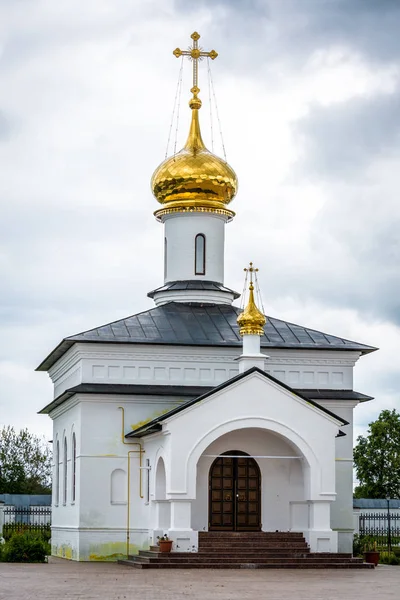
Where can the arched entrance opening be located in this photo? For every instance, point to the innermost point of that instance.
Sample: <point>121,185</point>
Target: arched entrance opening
<point>234,485</point>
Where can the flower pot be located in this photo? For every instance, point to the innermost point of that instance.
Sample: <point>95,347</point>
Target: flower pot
<point>372,556</point>
<point>165,545</point>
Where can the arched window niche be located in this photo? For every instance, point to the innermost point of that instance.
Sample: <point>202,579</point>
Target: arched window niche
<point>118,493</point>
<point>57,475</point>
<point>200,254</point>
<point>161,480</point>
<point>73,481</point>
<point>65,468</point>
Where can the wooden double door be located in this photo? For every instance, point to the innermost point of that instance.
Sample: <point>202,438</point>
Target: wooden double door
<point>234,493</point>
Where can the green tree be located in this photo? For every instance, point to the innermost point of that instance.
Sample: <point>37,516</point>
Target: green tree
<point>377,458</point>
<point>25,463</point>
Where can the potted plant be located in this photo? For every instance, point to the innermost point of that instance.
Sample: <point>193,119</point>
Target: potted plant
<point>164,543</point>
<point>371,554</point>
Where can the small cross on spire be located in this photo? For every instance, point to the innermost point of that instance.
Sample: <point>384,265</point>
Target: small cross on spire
<point>194,53</point>
<point>250,269</point>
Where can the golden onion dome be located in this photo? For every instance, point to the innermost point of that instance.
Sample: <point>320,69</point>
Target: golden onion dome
<point>194,179</point>
<point>251,321</point>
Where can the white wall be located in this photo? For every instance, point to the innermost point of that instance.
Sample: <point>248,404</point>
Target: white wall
<point>95,525</point>
<point>342,519</point>
<point>100,451</point>
<point>66,513</point>
<point>169,365</point>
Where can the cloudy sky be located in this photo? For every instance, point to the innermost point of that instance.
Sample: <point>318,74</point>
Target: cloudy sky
<point>308,97</point>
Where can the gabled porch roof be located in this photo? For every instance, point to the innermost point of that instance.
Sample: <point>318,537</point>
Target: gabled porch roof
<point>155,425</point>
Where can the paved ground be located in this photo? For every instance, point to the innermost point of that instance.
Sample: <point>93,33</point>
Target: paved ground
<point>65,580</point>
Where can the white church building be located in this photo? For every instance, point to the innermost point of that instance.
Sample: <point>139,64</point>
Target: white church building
<point>194,415</point>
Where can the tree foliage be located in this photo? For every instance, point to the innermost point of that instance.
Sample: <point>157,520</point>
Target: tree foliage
<point>377,458</point>
<point>25,463</point>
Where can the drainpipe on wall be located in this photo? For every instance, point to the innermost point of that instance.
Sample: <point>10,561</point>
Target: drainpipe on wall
<point>140,451</point>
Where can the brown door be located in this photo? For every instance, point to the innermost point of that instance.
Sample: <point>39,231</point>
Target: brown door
<point>234,493</point>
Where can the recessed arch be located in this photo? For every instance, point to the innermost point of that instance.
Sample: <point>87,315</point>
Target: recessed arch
<point>56,486</point>
<point>310,462</point>
<point>65,470</point>
<point>118,488</point>
<point>161,480</point>
<point>73,467</point>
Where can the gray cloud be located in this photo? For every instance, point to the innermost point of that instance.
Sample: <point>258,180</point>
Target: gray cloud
<point>78,243</point>
<point>6,127</point>
<point>342,139</point>
<point>256,32</point>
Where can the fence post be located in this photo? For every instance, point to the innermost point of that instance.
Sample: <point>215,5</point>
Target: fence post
<point>1,518</point>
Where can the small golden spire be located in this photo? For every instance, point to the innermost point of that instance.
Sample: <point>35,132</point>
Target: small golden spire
<point>194,142</point>
<point>251,321</point>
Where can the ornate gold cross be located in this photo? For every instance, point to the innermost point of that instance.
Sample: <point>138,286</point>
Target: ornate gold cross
<point>195,54</point>
<point>250,270</point>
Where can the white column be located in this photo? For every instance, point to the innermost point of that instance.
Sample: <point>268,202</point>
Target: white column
<point>181,532</point>
<point>162,516</point>
<point>320,515</point>
<point>320,536</point>
<point>181,515</point>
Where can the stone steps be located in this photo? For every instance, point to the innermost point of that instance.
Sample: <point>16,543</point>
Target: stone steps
<point>249,534</point>
<point>238,546</point>
<point>227,559</point>
<point>242,556</point>
<point>222,565</point>
<point>246,550</point>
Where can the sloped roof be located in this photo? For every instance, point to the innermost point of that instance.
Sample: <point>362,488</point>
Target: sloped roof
<point>197,324</point>
<point>375,503</point>
<point>188,391</point>
<point>156,424</point>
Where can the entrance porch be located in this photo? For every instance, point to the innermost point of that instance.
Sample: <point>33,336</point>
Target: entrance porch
<point>250,479</point>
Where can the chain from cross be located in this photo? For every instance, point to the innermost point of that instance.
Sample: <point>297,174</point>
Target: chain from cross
<point>195,54</point>
<point>250,270</point>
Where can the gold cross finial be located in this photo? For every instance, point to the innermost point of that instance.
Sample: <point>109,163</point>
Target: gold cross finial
<point>250,269</point>
<point>194,53</point>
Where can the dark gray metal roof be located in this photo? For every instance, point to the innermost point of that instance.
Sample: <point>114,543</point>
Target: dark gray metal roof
<point>375,503</point>
<point>335,395</point>
<point>156,424</point>
<point>184,391</point>
<point>193,284</point>
<point>127,389</point>
<point>197,324</point>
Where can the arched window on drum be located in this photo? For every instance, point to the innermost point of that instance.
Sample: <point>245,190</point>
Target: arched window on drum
<point>200,254</point>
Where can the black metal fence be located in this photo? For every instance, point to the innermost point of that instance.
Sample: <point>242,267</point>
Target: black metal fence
<point>27,518</point>
<point>381,527</point>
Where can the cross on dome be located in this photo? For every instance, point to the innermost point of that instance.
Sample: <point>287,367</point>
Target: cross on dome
<point>250,269</point>
<point>194,53</point>
<point>194,179</point>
